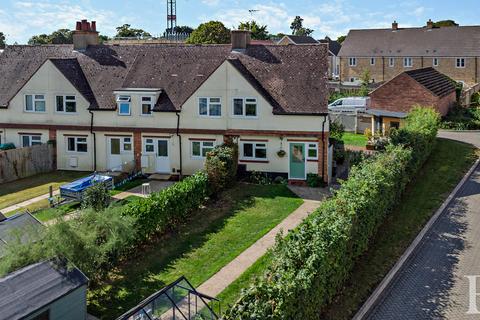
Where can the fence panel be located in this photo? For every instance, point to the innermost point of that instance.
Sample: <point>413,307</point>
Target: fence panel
<point>25,162</point>
<point>353,122</point>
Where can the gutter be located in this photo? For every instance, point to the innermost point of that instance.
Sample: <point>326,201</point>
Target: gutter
<point>94,142</point>
<point>323,147</point>
<point>179,143</point>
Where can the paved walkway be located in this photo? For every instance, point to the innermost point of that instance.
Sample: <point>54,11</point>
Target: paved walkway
<point>240,264</point>
<point>155,186</point>
<point>432,283</point>
<point>21,205</point>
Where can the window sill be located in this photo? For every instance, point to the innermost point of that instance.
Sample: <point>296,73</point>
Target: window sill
<point>254,161</point>
<point>312,160</point>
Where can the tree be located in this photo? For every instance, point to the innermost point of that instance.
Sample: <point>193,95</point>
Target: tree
<point>126,31</point>
<point>2,40</point>
<point>102,38</point>
<point>298,29</point>
<point>445,23</point>
<point>61,36</point>
<point>259,32</point>
<point>341,39</point>
<point>213,32</point>
<point>182,29</point>
<point>40,39</point>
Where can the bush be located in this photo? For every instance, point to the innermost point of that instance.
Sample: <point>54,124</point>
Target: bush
<point>97,197</point>
<point>314,180</point>
<point>311,264</point>
<point>221,166</point>
<point>336,130</point>
<point>460,118</point>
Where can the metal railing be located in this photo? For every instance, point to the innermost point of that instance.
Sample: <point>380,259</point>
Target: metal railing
<point>178,300</point>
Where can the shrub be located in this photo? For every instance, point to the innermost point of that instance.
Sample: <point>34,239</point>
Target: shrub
<point>336,130</point>
<point>314,180</point>
<point>311,264</point>
<point>165,209</point>
<point>221,166</point>
<point>96,197</point>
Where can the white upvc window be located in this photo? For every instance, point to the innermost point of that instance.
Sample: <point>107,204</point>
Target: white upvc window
<point>123,103</point>
<point>28,140</point>
<point>254,151</point>
<point>149,145</point>
<point>352,62</point>
<point>66,104</point>
<point>126,145</point>
<point>210,107</point>
<point>372,61</point>
<point>312,151</point>
<point>245,107</point>
<point>35,103</point>
<point>201,148</point>
<point>391,62</point>
<point>435,62</point>
<point>407,62</point>
<point>460,63</point>
<point>77,144</point>
<point>147,105</point>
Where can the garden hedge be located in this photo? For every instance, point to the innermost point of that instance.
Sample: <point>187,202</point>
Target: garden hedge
<point>312,263</point>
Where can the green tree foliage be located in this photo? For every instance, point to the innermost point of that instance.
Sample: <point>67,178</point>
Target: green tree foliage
<point>445,23</point>
<point>126,31</point>
<point>311,265</point>
<point>341,39</point>
<point>365,78</point>
<point>61,36</point>
<point>213,32</point>
<point>182,29</point>
<point>259,32</point>
<point>2,40</point>
<point>221,167</point>
<point>102,38</point>
<point>298,29</point>
<point>96,197</point>
<point>337,130</point>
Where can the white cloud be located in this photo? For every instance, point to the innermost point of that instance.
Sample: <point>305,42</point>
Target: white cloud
<point>211,2</point>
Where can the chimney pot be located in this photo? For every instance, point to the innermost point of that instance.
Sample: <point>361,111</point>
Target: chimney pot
<point>240,39</point>
<point>94,26</point>
<point>79,26</point>
<point>395,25</point>
<point>85,35</point>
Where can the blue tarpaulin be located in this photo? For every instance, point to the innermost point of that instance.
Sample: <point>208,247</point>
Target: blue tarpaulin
<point>75,189</point>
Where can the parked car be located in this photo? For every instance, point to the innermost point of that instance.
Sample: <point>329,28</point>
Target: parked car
<point>349,104</point>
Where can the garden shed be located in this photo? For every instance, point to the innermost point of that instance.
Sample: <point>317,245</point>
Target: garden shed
<point>22,226</point>
<point>45,290</point>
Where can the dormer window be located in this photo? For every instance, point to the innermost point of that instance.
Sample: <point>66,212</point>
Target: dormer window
<point>147,106</point>
<point>123,103</point>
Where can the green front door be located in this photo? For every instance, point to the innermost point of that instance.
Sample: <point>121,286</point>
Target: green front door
<point>297,161</point>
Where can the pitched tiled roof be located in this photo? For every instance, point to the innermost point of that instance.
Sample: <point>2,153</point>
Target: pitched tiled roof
<point>293,78</point>
<point>302,39</point>
<point>333,45</point>
<point>440,42</point>
<point>434,81</point>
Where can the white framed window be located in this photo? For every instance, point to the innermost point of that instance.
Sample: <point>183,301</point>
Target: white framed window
<point>147,106</point>
<point>407,62</point>
<point>126,145</point>
<point>149,145</point>
<point>35,103</point>
<point>66,104</point>
<point>312,151</point>
<point>254,150</point>
<point>210,107</point>
<point>28,140</point>
<point>352,62</point>
<point>245,107</point>
<point>391,62</point>
<point>201,148</point>
<point>460,63</point>
<point>77,144</point>
<point>372,61</point>
<point>123,103</point>
<point>435,62</point>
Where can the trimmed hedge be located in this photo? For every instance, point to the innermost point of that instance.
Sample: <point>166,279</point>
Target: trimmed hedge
<point>311,264</point>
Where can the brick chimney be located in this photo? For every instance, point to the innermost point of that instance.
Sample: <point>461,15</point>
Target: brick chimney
<point>85,34</point>
<point>395,25</point>
<point>429,24</point>
<point>240,39</point>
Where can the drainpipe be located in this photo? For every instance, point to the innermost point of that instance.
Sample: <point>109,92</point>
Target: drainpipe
<point>179,143</point>
<point>94,142</point>
<point>323,147</point>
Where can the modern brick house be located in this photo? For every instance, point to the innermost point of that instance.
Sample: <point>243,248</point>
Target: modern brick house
<point>454,51</point>
<point>426,87</point>
<point>161,108</point>
<point>333,59</point>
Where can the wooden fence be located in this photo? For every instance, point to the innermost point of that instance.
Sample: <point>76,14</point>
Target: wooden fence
<point>25,162</point>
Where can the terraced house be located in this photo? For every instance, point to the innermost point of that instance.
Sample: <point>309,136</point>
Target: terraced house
<point>385,53</point>
<point>161,108</point>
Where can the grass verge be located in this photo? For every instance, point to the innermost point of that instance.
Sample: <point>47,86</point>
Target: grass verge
<point>352,139</point>
<point>446,166</point>
<point>213,237</point>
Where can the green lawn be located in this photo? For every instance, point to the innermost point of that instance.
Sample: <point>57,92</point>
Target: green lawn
<point>213,237</point>
<point>352,139</point>
<point>51,213</point>
<point>18,191</point>
<point>447,165</point>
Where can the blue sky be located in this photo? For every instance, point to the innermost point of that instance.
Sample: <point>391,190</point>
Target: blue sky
<point>21,19</point>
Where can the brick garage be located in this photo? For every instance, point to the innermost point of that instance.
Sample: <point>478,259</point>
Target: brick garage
<point>425,87</point>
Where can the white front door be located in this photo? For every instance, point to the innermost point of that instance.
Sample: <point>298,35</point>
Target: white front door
<point>162,164</point>
<point>114,157</point>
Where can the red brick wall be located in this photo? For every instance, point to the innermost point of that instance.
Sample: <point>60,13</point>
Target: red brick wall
<point>137,149</point>
<point>323,154</point>
<point>52,136</point>
<point>402,93</point>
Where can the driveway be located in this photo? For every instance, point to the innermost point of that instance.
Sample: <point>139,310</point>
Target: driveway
<point>433,283</point>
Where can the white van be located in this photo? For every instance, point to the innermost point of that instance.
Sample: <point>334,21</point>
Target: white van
<point>349,104</point>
